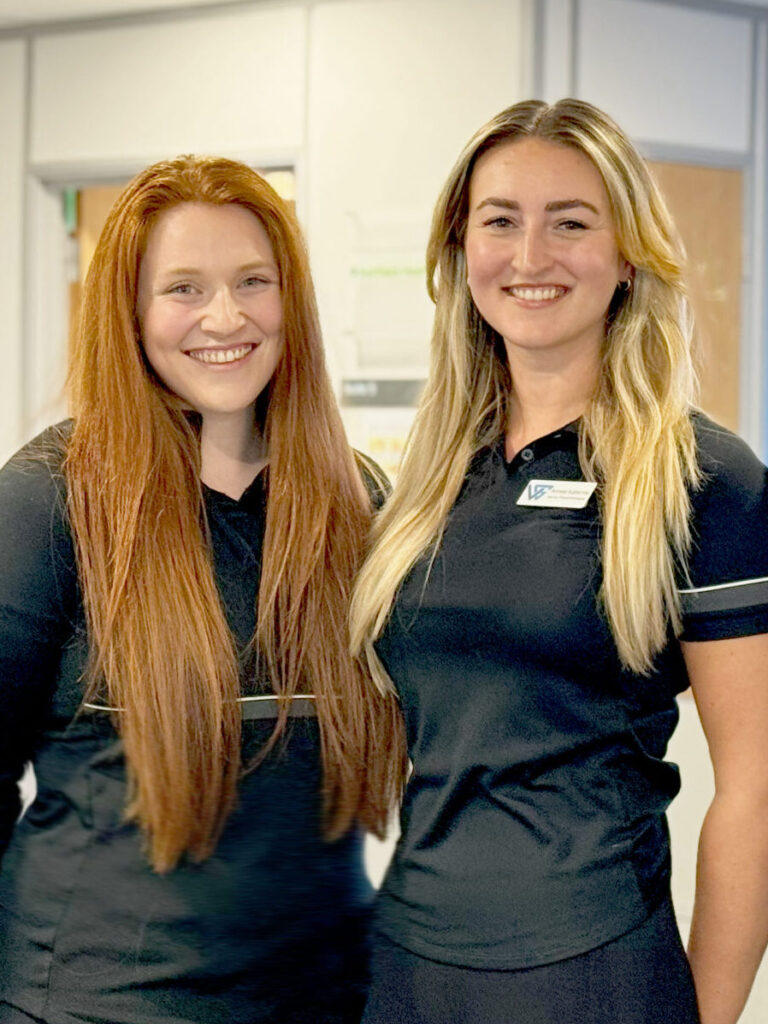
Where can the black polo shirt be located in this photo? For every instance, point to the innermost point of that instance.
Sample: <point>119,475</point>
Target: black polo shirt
<point>271,928</point>
<point>534,823</point>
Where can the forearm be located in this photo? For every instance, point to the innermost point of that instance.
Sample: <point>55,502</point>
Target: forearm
<point>730,920</point>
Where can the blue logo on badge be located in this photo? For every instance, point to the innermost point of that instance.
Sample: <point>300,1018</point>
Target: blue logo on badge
<point>536,491</point>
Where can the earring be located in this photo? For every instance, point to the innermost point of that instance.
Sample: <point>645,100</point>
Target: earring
<point>625,286</point>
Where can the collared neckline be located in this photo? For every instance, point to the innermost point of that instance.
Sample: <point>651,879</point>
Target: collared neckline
<point>251,500</point>
<point>564,438</point>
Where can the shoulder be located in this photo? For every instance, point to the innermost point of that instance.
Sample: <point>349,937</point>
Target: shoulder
<point>35,540</point>
<point>726,460</point>
<point>44,455</point>
<point>733,492</point>
<point>375,479</point>
<point>726,592</point>
<point>34,475</point>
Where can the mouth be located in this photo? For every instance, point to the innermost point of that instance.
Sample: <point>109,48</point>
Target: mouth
<point>536,293</point>
<point>219,356</point>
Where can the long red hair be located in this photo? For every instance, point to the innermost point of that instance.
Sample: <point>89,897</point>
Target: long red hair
<point>160,647</point>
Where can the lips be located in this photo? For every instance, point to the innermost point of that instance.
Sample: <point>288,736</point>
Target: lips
<point>219,356</point>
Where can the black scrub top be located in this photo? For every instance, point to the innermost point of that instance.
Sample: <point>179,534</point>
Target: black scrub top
<point>270,929</point>
<point>533,827</point>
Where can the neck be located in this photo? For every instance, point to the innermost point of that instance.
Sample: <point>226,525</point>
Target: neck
<point>549,390</point>
<point>232,452</point>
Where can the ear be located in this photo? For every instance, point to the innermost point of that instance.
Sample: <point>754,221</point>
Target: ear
<point>626,271</point>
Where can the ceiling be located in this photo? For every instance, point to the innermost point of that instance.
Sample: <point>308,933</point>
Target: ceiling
<point>25,12</point>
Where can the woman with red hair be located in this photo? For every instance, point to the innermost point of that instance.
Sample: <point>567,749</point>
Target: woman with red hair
<point>177,562</point>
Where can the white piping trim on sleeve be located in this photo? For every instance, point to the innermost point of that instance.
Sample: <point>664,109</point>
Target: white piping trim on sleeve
<point>722,586</point>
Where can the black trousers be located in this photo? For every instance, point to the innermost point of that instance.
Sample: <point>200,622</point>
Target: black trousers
<point>642,977</point>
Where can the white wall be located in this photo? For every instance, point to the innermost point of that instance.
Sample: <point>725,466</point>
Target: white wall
<point>669,74</point>
<point>397,88</point>
<point>12,12</point>
<point>12,121</point>
<point>228,82</point>
<point>685,80</point>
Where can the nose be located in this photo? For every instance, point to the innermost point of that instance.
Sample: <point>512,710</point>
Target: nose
<point>222,315</point>
<point>533,253</point>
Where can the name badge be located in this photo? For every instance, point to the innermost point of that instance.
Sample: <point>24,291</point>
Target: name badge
<point>557,493</point>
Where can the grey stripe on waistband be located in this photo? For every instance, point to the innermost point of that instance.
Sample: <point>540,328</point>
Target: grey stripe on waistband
<point>263,706</point>
<point>267,706</point>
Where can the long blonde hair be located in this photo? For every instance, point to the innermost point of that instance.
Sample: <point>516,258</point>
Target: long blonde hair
<point>160,646</point>
<point>636,436</point>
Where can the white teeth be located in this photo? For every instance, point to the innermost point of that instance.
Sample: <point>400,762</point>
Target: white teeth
<point>537,294</point>
<point>220,355</point>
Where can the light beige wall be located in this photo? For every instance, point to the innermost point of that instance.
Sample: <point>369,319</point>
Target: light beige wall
<point>12,119</point>
<point>397,89</point>
<point>227,82</point>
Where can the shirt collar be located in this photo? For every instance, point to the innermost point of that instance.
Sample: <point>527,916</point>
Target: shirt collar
<point>566,437</point>
<point>251,500</point>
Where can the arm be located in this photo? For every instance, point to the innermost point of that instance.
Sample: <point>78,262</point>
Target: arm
<point>729,932</point>
<point>37,598</point>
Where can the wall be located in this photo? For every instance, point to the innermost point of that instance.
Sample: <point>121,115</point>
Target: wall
<point>12,126</point>
<point>12,13</point>
<point>378,155</point>
<point>135,93</point>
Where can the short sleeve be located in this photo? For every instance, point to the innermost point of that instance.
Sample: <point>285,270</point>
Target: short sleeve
<point>37,600</point>
<point>726,594</point>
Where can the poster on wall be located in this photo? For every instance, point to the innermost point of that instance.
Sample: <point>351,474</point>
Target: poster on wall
<point>387,325</point>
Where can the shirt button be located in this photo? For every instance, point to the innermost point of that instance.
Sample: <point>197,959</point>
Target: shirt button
<point>527,455</point>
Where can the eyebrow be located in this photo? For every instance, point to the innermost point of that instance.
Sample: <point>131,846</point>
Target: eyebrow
<point>184,271</point>
<point>554,207</point>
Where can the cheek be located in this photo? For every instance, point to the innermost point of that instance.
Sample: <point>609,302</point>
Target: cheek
<point>162,330</point>
<point>600,266</point>
<point>484,263</point>
<point>267,313</point>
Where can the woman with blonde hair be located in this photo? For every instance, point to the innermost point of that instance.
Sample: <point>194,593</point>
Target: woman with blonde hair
<point>569,545</point>
<point>177,563</point>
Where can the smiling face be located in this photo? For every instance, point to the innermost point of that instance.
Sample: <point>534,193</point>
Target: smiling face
<point>210,307</point>
<point>541,251</point>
